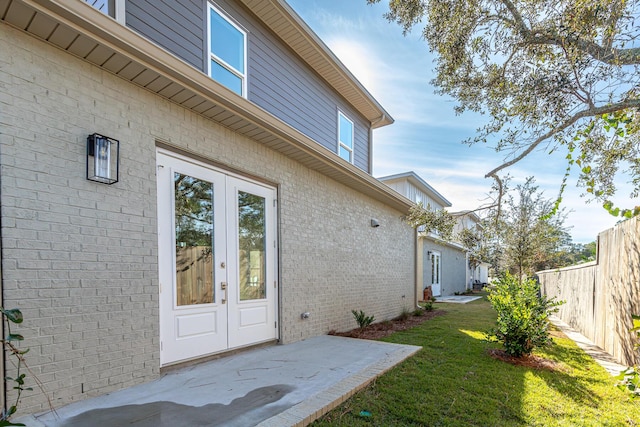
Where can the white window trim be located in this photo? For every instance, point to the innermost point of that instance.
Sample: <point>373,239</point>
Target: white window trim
<point>119,12</point>
<point>353,137</point>
<point>220,61</point>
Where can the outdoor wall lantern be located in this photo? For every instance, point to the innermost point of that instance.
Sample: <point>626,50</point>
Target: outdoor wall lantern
<point>103,159</point>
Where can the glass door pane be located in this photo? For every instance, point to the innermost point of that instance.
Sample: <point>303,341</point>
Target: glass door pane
<point>251,246</point>
<point>194,244</point>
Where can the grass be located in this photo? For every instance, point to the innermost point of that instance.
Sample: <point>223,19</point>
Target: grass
<point>452,381</point>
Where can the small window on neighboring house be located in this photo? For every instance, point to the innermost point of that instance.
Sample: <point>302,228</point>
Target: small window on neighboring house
<point>345,137</point>
<point>227,51</point>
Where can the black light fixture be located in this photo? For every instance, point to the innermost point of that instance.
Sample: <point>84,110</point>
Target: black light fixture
<point>103,159</point>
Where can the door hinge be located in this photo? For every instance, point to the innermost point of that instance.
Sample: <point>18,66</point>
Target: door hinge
<point>275,325</point>
<point>274,202</point>
<point>275,284</point>
<point>161,347</point>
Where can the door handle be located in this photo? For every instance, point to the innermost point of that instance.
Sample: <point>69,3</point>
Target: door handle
<point>223,286</point>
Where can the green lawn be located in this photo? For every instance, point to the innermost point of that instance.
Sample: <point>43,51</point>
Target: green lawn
<point>452,381</point>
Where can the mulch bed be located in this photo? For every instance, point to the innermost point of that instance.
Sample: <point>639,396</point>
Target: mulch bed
<point>382,329</point>
<point>530,361</point>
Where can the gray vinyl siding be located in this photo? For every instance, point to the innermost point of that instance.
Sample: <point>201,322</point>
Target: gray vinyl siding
<point>277,79</point>
<point>176,26</point>
<point>453,267</point>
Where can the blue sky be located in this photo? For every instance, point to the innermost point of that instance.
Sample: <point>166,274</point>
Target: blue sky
<point>426,136</point>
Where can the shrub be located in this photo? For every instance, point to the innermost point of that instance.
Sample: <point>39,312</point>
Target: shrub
<point>404,315</point>
<point>523,315</point>
<point>362,319</point>
<point>418,312</point>
<point>629,379</point>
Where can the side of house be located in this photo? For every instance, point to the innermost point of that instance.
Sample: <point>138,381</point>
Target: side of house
<point>478,270</point>
<point>242,197</point>
<point>439,264</point>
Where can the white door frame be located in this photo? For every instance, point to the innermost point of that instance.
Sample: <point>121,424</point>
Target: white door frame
<point>194,331</point>
<point>436,276</point>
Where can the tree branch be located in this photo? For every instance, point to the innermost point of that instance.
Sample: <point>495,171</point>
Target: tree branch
<point>606,54</point>
<point>590,112</point>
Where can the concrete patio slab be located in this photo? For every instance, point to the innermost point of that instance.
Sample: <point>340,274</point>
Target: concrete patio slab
<point>281,385</point>
<point>457,299</point>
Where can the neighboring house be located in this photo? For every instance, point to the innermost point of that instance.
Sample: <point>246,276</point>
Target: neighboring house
<point>477,270</point>
<point>239,158</point>
<point>439,264</point>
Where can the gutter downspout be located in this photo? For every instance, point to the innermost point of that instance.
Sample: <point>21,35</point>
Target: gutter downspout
<point>415,270</point>
<point>3,389</point>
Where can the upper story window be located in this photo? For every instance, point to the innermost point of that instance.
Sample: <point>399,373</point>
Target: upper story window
<point>227,51</point>
<point>113,8</point>
<point>345,137</point>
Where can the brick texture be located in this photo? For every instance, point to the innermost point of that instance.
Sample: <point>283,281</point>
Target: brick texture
<point>80,258</point>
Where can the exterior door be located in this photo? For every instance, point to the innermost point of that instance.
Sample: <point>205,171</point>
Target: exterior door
<point>217,260</point>
<point>436,274</point>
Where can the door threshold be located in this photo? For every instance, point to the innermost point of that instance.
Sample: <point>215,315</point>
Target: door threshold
<point>227,353</point>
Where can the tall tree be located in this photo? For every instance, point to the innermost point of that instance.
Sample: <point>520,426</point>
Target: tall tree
<point>530,237</point>
<point>549,73</point>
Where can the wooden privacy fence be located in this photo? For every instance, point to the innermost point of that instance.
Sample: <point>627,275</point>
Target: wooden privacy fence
<point>601,296</point>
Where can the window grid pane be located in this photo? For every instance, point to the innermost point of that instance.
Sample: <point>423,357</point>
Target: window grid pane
<point>226,77</point>
<point>227,44</point>
<point>346,132</point>
<point>345,153</point>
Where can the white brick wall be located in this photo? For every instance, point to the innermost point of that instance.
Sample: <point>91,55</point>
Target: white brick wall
<point>80,258</point>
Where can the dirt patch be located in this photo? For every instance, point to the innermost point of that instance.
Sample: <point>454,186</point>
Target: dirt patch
<point>382,329</point>
<point>530,361</point>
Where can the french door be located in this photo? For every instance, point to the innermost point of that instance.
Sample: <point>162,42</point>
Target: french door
<point>217,262</point>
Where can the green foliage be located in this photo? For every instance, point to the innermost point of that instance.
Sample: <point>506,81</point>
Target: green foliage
<point>362,319</point>
<point>418,312</point>
<point>523,235</point>
<point>523,314</point>
<point>405,314</point>
<point>437,221</point>
<point>629,380</point>
<point>453,381</point>
<point>13,316</point>
<point>549,75</point>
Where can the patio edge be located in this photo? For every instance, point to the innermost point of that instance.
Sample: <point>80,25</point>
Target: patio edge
<point>304,413</point>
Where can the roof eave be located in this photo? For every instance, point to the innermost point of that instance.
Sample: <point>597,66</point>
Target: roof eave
<point>305,42</point>
<point>79,29</point>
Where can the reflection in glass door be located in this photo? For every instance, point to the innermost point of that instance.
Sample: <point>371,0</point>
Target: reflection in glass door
<point>251,246</point>
<point>194,245</point>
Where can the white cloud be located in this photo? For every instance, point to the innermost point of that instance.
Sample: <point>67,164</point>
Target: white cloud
<point>427,133</point>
